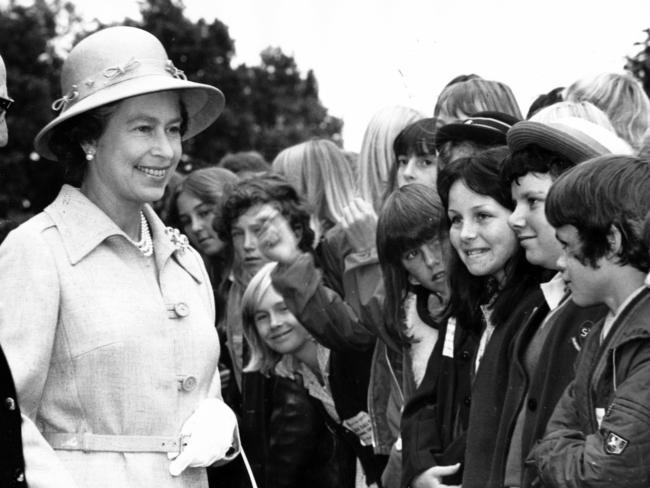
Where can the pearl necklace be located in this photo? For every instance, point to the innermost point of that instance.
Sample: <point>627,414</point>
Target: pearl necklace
<point>145,244</point>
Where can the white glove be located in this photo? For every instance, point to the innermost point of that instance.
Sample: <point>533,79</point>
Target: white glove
<point>210,432</point>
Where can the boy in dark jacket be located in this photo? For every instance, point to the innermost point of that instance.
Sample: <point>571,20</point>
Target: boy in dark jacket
<point>545,350</point>
<point>599,433</point>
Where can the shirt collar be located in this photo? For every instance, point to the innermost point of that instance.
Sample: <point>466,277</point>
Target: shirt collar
<point>83,226</point>
<point>553,291</point>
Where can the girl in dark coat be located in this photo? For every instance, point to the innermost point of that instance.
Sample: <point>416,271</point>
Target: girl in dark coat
<point>413,248</point>
<point>494,290</point>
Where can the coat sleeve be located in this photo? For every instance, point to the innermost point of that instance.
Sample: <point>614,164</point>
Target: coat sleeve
<point>322,311</point>
<point>29,287</point>
<point>363,283</point>
<point>419,427</point>
<point>617,454</point>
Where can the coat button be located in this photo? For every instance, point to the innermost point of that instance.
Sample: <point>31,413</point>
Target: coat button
<point>181,309</point>
<point>188,383</point>
<point>532,404</point>
<point>467,400</point>
<point>20,477</point>
<point>10,403</point>
<point>465,355</point>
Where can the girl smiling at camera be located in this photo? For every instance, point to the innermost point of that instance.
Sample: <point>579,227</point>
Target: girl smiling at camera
<point>493,289</point>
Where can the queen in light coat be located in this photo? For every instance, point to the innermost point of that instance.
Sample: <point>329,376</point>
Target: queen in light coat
<point>108,316</point>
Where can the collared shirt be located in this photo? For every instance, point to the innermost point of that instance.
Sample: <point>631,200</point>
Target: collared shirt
<point>609,320</point>
<point>289,366</point>
<point>554,290</point>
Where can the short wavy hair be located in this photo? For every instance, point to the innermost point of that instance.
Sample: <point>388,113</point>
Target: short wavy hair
<point>601,193</point>
<point>272,189</point>
<point>621,97</point>
<point>459,100</point>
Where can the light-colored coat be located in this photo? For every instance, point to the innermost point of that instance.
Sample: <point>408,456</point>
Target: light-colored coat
<point>90,333</point>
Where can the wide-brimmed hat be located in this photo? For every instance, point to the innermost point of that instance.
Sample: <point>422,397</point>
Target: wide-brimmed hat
<point>122,62</point>
<point>574,138</point>
<point>488,128</point>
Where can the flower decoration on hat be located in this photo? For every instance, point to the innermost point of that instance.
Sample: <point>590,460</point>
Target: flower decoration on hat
<point>175,72</point>
<point>121,69</point>
<point>62,103</point>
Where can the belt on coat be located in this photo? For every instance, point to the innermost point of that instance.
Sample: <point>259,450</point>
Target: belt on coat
<point>114,443</point>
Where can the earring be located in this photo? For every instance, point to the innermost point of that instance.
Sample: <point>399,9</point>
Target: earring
<point>90,155</point>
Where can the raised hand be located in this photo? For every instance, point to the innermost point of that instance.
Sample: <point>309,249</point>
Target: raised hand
<point>277,241</point>
<point>360,225</point>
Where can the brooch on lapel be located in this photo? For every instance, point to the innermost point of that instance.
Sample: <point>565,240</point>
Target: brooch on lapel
<point>180,241</point>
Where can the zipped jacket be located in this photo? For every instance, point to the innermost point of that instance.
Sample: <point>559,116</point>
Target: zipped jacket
<point>613,378</point>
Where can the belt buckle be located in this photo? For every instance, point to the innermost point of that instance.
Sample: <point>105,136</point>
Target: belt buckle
<point>182,442</point>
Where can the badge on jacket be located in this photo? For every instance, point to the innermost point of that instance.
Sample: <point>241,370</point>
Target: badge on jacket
<point>615,444</point>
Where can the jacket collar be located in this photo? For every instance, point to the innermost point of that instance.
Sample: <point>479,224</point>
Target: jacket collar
<point>83,226</point>
<point>633,318</point>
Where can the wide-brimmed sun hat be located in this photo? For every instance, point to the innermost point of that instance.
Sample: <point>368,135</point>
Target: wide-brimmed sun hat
<point>488,128</point>
<point>121,62</point>
<point>575,138</point>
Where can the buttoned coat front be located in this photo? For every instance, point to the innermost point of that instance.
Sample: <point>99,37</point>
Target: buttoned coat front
<point>104,340</point>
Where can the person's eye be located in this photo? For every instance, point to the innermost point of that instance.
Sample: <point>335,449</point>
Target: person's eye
<point>402,161</point>
<point>144,128</point>
<point>184,221</point>
<point>236,233</point>
<point>482,216</point>
<point>532,202</point>
<point>427,162</point>
<point>409,255</point>
<point>261,316</point>
<point>204,213</point>
<point>175,129</point>
<point>455,220</point>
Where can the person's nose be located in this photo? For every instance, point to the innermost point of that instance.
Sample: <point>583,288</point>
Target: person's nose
<point>275,319</point>
<point>409,170</point>
<point>517,219</point>
<point>468,230</point>
<point>429,255</point>
<point>196,225</point>
<point>164,144</point>
<point>250,241</point>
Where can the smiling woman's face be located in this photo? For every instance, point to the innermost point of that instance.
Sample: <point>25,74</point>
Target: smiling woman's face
<point>480,232</point>
<point>138,151</point>
<point>277,326</point>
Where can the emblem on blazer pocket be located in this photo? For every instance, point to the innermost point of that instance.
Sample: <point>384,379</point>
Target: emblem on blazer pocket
<point>615,444</point>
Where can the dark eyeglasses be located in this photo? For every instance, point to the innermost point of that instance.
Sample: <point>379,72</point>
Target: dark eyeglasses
<point>5,103</point>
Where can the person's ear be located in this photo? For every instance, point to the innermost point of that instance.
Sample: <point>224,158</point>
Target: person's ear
<point>89,149</point>
<point>614,241</point>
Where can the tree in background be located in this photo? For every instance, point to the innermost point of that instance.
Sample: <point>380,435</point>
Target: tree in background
<point>639,64</point>
<point>268,107</point>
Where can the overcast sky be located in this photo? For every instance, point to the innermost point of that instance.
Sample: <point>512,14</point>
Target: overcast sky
<point>371,53</point>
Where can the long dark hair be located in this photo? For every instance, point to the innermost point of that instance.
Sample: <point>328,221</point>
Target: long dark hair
<point>481,174</point>
<point>410,216</point>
